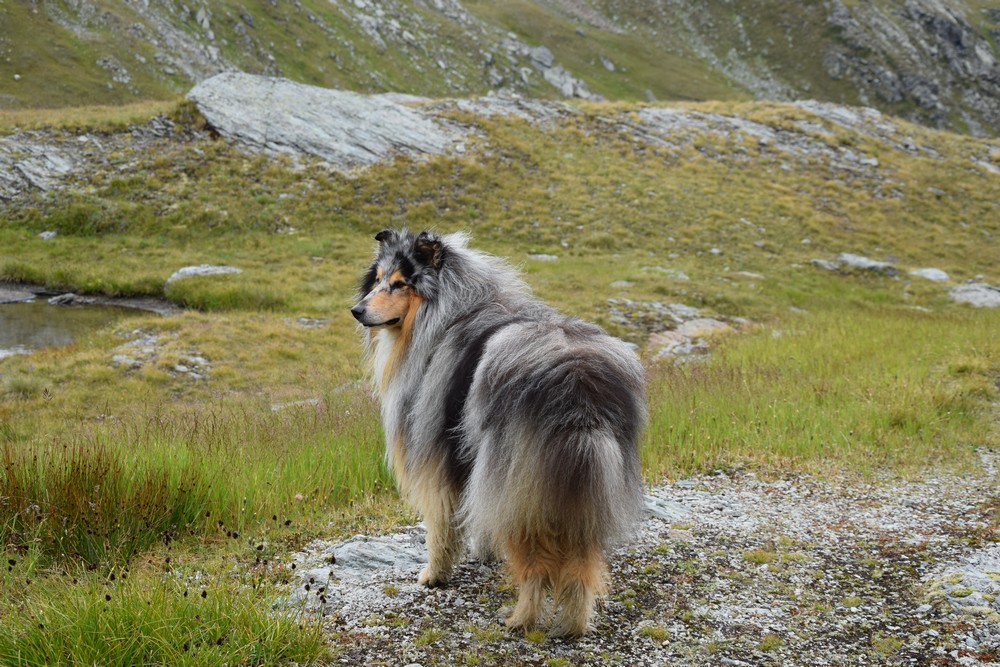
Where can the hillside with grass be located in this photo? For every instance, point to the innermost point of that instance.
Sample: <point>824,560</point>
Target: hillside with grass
<point>928,61</point>
<point>158,473</point>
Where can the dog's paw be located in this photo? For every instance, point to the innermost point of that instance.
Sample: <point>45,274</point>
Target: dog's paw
<point>518,621</point>
<point>431,578</point>
<point>568,629</point>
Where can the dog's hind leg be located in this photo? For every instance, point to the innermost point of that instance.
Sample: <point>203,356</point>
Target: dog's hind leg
<point>530,568</point>
<point>444,540</point>
<point>579,581</point>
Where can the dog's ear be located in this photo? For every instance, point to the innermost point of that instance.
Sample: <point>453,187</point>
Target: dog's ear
<point>429,250</point>
<point>384,235</point>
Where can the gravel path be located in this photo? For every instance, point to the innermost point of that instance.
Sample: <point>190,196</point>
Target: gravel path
<point>727,569</point>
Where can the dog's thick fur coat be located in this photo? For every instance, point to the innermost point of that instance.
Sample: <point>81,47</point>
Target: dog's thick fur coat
<point>506,422</point>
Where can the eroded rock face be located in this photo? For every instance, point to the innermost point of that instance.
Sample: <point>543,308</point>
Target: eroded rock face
<point>27,164</point>
<point>348,130</point>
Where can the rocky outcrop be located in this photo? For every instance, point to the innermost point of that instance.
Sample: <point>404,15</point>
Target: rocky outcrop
<point>27,164</point>
<point>927,55</point>
<point>39,160</point>
<point>279,116</point>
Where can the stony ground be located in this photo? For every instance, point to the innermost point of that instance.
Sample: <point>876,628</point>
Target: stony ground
<point>727,569</point>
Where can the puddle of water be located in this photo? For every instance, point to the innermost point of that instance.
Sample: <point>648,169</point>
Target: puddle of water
<point>29,326</point>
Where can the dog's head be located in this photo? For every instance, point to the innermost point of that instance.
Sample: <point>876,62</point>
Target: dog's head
<point>403,275</point>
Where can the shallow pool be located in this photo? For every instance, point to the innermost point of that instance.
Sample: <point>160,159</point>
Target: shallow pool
<point>29,326</point>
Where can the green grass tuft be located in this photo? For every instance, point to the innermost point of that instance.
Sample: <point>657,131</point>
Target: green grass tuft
<point>168,622</point>
<point>109,498</point>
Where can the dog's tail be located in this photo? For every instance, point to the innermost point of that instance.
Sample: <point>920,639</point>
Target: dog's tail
<point>557,457</point>
<point>578,491</point>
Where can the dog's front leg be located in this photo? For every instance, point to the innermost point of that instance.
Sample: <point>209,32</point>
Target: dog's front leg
<point>443,538</point>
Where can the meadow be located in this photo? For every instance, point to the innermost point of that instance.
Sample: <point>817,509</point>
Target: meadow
<point>147,516</point>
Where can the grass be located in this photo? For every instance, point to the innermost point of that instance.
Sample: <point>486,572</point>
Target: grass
<point>655,632</point>
<point>109,497</point>
<point>429,636</point>
<point>861,388</point>
<point>133,621</point>
<point>109,468</point>
<point>104,117</point>
<point>760,556</point>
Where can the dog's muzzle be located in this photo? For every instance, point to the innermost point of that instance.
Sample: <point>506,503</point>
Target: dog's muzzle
<point>360,312</point>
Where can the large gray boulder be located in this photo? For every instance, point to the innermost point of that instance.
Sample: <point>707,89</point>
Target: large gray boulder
<point>278,116</point>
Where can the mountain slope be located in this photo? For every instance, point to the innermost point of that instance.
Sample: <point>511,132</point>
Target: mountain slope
<point>932,61</point>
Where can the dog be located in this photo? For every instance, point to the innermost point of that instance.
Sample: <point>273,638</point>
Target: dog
<point>506,423</point>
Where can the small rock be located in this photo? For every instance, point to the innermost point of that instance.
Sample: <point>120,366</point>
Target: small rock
<point>15,295</point>
<point>860,262</point>
<point>665,509</point>
<point>672,344</point>
<point>543,257</point>
<point>541,57</point>
<point>702,327</point>
<point>278,407</point>
<point>980,295</point>
<point>201,270</point>
<point>63,299</point>
<point>852,261</point>
<point>937,275</point>
<point>47,236</point>
<point>312,322</point>
<point>825,264</point>
<point>674,274</point>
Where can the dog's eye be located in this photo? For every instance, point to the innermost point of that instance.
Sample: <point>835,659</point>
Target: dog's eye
<point>399,284</point>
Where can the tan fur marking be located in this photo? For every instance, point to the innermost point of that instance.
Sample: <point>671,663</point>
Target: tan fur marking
<point>430,494</point>
<point>401,344</point>
<point>397,460</point>
<point>579,581</point>
<point>538,563</point>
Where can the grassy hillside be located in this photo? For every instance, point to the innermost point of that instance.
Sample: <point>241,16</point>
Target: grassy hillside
<point>930,62</point>
<point>653,63</point>
<point>129,490</point>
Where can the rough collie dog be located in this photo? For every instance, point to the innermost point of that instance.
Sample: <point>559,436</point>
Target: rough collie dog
<point>505,422</point>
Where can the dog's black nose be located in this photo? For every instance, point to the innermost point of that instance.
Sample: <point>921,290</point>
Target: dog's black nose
<point>358,311</point>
